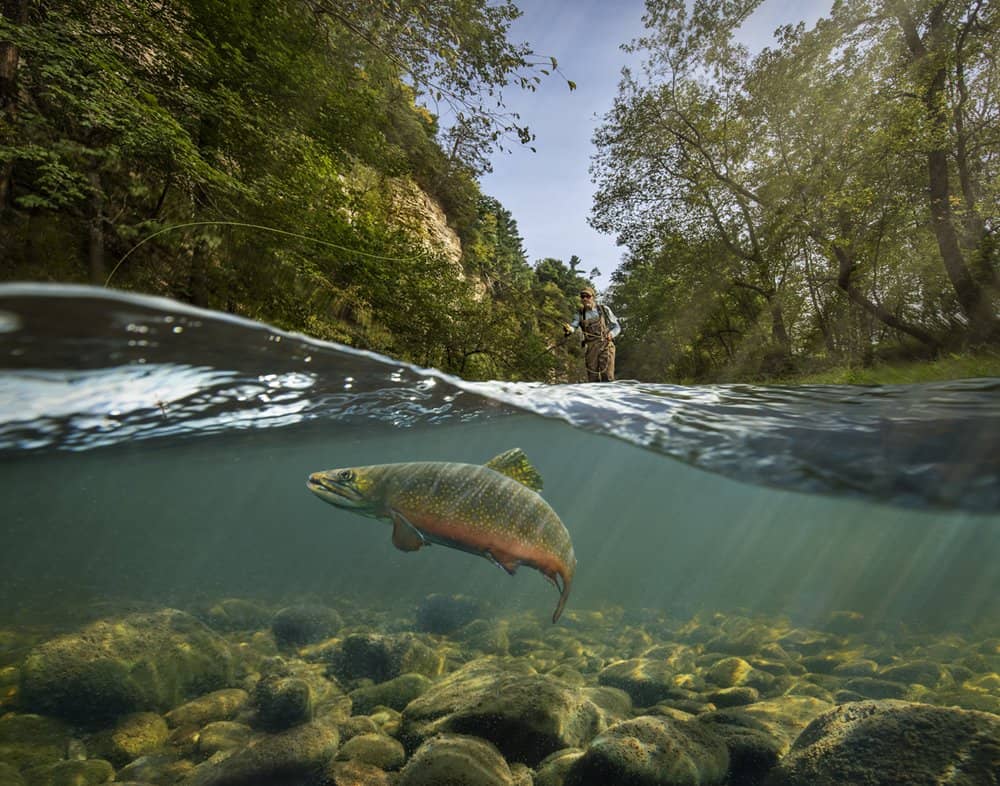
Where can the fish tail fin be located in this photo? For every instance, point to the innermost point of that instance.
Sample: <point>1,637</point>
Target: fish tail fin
<point>563,595</point>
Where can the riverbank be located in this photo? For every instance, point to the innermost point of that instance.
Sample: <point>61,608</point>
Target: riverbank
<point>953,366</point>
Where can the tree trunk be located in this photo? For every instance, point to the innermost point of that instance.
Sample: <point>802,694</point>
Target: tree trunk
<point>15,11</point>
<point>973,299</point>
<point>846,268</point>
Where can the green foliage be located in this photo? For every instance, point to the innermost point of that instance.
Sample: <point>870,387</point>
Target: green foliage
<point>826,198</point>
<point>316,119</point>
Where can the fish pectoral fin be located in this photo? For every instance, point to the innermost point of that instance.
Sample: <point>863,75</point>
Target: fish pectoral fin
<point>405,536</point>
<point>507,564</point>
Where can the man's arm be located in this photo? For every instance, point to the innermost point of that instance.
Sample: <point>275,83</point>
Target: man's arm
<point>614,326</point>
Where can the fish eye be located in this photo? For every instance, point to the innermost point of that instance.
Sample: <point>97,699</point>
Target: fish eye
<point>345,474</point>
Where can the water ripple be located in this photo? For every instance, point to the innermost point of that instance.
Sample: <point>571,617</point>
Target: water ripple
<point>82,368</point>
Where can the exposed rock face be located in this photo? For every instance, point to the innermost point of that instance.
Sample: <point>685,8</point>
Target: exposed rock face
<point>424,219</point>
<point>112,667</point>
<point>894,742</point>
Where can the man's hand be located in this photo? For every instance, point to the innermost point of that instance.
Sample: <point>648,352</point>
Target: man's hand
<point>567,329</point>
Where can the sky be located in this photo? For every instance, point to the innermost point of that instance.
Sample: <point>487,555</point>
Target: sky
<point>549,192</point>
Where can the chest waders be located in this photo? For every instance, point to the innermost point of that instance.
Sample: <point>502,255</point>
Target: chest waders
<point>599,349</point>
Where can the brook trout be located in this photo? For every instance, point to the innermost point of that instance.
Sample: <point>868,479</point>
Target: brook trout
<point>492,510</point>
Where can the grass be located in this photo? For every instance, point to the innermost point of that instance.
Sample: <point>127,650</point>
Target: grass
<point>948,367</point>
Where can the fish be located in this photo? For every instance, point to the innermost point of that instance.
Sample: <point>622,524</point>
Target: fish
<point>493,510</point>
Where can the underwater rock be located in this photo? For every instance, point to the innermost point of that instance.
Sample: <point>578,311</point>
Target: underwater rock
<point>354,773</point>
<point>163,767</point>
<point>232,614</point>
<point>527,716</point>
<point>733,697</point>
<point>806,642</point>
<point>874,688</point>
<point>355,725</point>
<point>859,667</point>
<point>296,626</point>
<point>456,759</point>
<point>844,623</point>
<point>218,705</point>
<point>893,743</point>
<point>753,749</point>
<point>441,614</point>
<point>134,735</point>
<point>395,693</point>
<point>647,681</point>
<point>553,768</point>
<point>224,736</point>
<point>920,672</point>
<point>728,672</point>
<point>822,663</point>
<point>87,772</point>
<point>379,750</point>
<point>653,751</point>
<point>282,702</point>
<point>380,658</point>
<point>31,740</point>
<point>142,662</point>
<point>486,636</point>
<point>285,757</point>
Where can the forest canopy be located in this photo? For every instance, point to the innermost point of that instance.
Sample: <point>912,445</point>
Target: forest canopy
<point>319,160</point>
<point>315,164</point>
<point>833,197</point>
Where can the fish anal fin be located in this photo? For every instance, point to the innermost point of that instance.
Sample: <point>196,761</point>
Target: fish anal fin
<point>405,536</point>
<point>514,464</point>
<point>503,561</point>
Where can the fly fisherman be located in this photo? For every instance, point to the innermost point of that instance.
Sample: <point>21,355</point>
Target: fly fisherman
<point>599,328</point>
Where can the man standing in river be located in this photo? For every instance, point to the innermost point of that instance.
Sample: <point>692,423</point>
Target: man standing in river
<point>600,327</point>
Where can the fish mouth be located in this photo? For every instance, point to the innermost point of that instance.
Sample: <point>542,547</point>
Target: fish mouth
<point>332,491</point>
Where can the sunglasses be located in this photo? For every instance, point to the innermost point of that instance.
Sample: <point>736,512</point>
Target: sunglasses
<point>585,296</point>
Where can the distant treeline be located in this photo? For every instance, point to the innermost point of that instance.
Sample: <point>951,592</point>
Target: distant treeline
<point>833,200</point>
<point>121,118</point>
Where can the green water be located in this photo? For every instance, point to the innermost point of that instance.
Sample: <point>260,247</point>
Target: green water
<point>171,523</point>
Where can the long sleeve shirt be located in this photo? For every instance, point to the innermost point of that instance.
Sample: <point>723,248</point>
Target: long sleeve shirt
<point>614,327</point>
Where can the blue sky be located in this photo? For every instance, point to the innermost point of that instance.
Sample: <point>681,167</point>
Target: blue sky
<point>549,192</point>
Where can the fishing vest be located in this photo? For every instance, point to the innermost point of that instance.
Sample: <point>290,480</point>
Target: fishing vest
<point>595,329</point>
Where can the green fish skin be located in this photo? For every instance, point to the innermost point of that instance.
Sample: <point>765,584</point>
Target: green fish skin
<point>492,510</point>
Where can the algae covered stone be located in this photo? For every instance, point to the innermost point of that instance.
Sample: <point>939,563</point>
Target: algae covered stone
<point>894,743</point>
<point>395,693</point>
<point>296,626</point>
<point>218,705</point>
<point>456,760</point>
<point>653,751</point>
<point>285,757</point>
<point>526,715</point>
<point>112,667</point>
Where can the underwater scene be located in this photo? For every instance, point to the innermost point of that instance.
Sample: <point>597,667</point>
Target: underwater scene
<point>210,576</point>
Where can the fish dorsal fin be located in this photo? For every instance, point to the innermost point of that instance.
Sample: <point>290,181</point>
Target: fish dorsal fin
<point>514,464</point>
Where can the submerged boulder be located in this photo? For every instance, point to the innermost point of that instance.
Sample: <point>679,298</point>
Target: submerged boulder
<point>893,742</point>
<point>363,656</point>
<point>652,751</point>
<point>296,626</point>
<point>286,757</point>
<point>148,661</point>
<point>456,759</point>
<point>526,715</point>
<point>444,613</point>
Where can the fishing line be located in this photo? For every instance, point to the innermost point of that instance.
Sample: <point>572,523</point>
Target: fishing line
<point>252,226</point>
